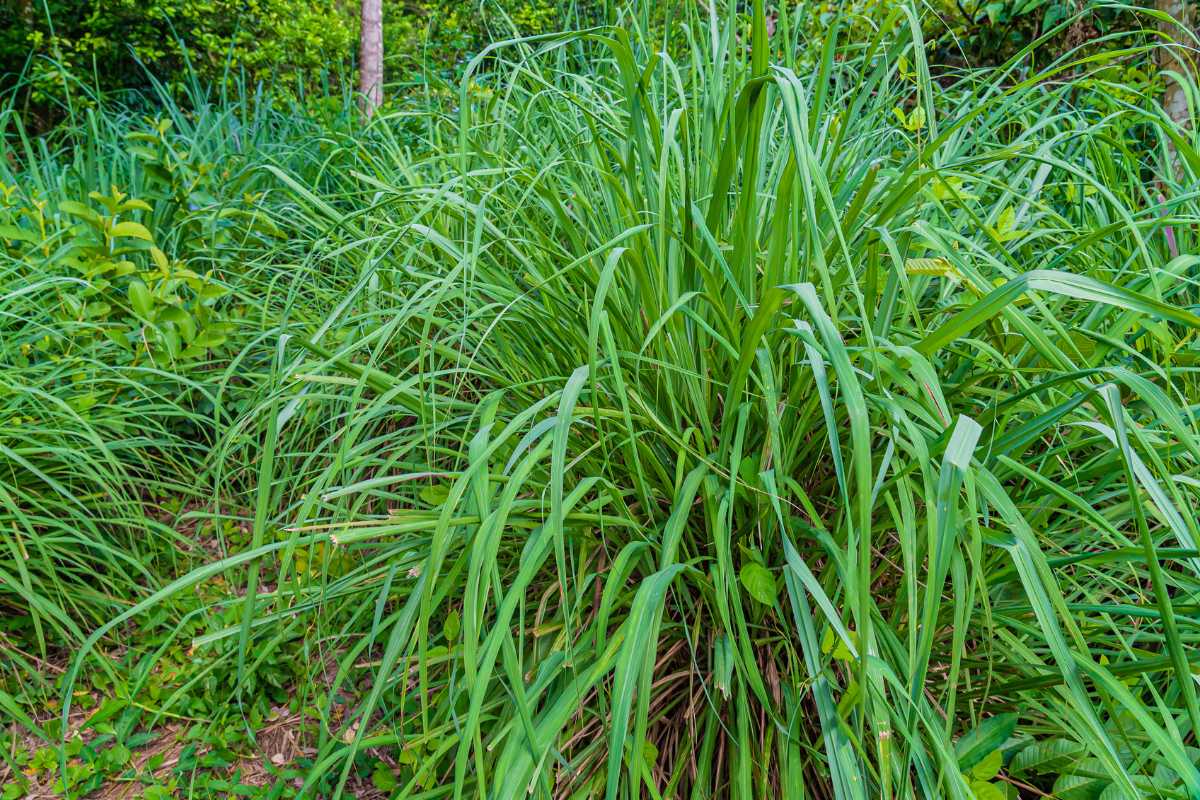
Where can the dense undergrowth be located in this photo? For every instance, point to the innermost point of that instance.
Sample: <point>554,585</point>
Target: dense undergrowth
<point>666,424</point>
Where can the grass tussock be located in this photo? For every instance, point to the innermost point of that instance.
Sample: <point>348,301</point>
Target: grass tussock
<point>653,422</point>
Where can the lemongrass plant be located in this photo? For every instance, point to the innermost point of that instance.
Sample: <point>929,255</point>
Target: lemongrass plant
<point>683,425</point>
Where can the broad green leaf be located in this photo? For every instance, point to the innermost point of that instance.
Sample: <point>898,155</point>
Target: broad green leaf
<point>1083,780</point>
<point>759,582</point>
<point>160,258</point>
<point>916,119</point>
<point>986,738</point>
<point>452,627</point>
<point>141,300</point>
<point>134,230</point>
<point>210,339</point>
<point>8,231</point>
<point>383,779</point>
<point>80,210</point>
<point>988,767</point>
<point>987,791</point>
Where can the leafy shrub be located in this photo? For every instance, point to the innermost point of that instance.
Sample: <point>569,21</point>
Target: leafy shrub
<point>124,286</point>
<point>121,241</point>
<point>982,32</point>
<point>294,45</point>
<point>442,36</point>
<point>113,44</point>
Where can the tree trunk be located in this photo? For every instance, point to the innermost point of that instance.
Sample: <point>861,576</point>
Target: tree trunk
<point>1180,57</point>
<point>370,66</point>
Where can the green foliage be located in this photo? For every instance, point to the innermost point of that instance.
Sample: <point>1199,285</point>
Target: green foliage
<point>427,38</point>
<point>129,264</point>
<point>983,32</point>
<point>758,418</point>
<point>129,291</point>
<point>116,332</point>
<point>114,43</point>
<point>69,50</point>
<point>991,31</point>
<point>77,47</point>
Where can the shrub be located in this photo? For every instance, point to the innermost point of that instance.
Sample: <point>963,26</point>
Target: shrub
<point>112,45</point>
<point>81,47</point>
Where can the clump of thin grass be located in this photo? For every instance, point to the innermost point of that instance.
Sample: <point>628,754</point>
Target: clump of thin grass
<point>690,426</point>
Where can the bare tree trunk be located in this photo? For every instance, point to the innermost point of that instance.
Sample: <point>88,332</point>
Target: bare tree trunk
<point>370,66</point>
<point>1180,58</point>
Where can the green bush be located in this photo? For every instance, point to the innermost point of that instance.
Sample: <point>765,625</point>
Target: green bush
<point>126,245</point>
<point>297,44</point>
<point>107,45</point>
<point>293,43</point>
<point>440,37</point>
<point>981,32</point>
